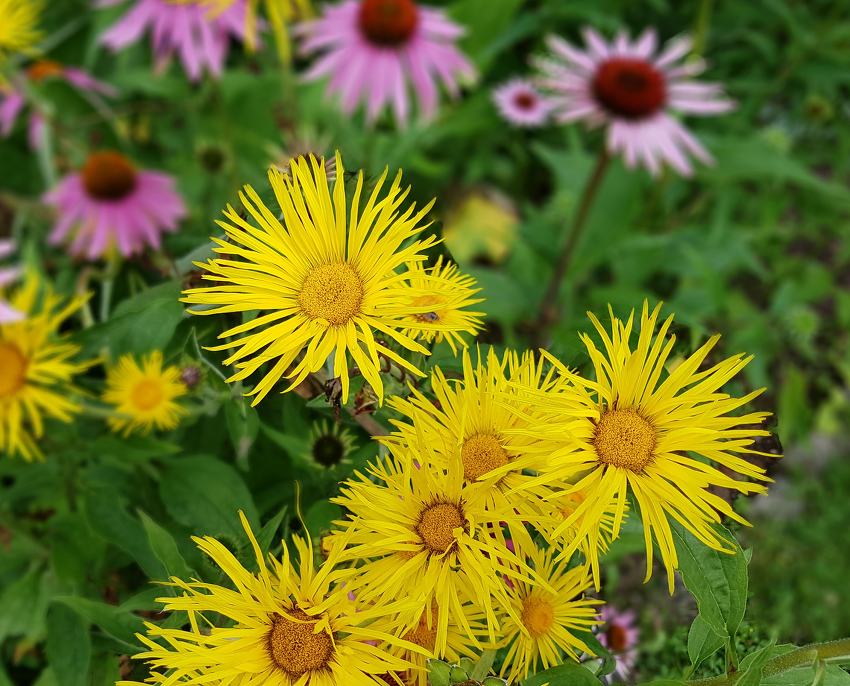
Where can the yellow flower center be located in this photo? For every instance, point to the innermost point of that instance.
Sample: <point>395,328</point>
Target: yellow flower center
<point>296,648</point>
<point>333,292</point>
<point>146,394</point>
<point>481,454</point>
<point>423,635</point>
<point>538,616</point>
<point>623,438</point>
<point>13,370</point>
<point>437,523</point>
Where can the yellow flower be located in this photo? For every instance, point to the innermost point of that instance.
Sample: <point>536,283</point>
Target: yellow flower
<point>19,26</point>
<point>324,279</point>
<point>421,534</point>
<point>441,295</point>
<point>636,429</point>
<point>479,425</point>
<point>281,626</point>
<point>36,368</point>
<point>550,619</point>
<point>144,395</point>
<point>423,633</point>
<point>595,540</point>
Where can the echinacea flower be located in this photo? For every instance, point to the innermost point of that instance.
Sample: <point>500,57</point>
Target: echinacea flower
<point>8,275</point>
<point>521,104</point>
<point>19,26</point>
<point>661,435</point>
<point>37,368</point>
<point>13,99</point>
<point>284,625</point>
<point>144,395</point>
<point>620,634</point>
<point>325,276</point>
<point>110,204</point>
<point>418,532</point>
<point>551,619</point>
<point>442,294</point>
<point>199,36</point>
<point>372,50</point>
<point>635,92</point>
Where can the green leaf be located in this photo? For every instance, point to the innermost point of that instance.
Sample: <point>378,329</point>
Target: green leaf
<point>206,494</point>
<point>68,645</point>
<point>320,515</point>
<point>752,665</point>
<point>139,324</point>
<point>108,518</point>
<point>243,424</point>
<point>567,674</point>
<point>703,641</point>
<point>165,548</point>
<point>439,673</point>
<point>482,667</point>
<point>115,622</point>
<point>609,664</point>
<point>718,581</point>
<point>266,535</point>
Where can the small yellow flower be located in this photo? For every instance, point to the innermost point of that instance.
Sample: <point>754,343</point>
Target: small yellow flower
<point>144,395</point>
<point>19,26</point>
<point>285,625</point>
<point>36,368</point>
<point>442,295</point>
<point>550,619</point>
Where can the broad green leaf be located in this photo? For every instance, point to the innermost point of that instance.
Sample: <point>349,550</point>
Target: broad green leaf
<point>68,645</point>
<point>164,547</point>
<point>115,622</point>
<point>567,674</point>
<point>438,673</point>
<point>266,535</point>
<point>718,581</point>
<point>703,641</point>
<point>319,516</point>
<point>23,604</point>
<point>108,518</point>
<point>206,494</point>
<point>139,324</point>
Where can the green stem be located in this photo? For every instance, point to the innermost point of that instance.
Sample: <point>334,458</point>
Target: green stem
<point>702,25</point>
<point>835,652</point>
<point>548,313</point>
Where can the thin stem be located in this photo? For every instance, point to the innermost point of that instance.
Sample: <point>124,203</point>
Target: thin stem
<point>548,313</point>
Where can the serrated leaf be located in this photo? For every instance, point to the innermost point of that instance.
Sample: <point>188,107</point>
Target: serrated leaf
<point>68,645</point>
<point>718,581</point>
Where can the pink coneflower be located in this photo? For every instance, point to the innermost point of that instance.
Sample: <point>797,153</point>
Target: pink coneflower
<point>521,104</point>
<point>633,90</point>
<point>13,98</point>
<point>111,204</point>
<point>373,48</point>
<point>194,31</point>
<point>620,635</point>
<point>8,275</point>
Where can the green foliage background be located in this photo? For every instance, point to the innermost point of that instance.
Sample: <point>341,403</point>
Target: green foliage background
<point>755,247</point>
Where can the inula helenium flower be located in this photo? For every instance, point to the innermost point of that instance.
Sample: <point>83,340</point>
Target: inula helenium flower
<point>326,276</point>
